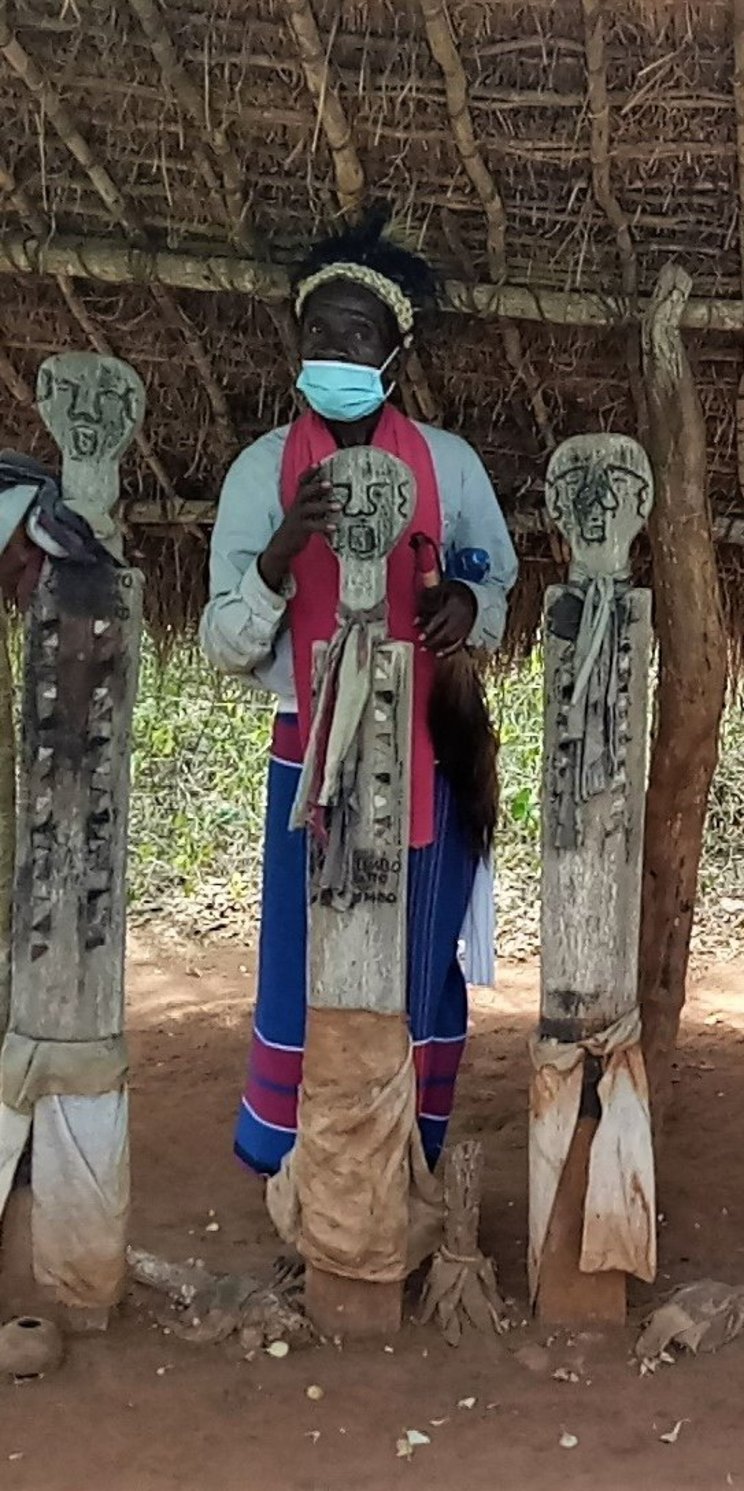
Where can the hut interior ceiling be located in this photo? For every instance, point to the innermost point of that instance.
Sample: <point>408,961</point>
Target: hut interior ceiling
<point>163,165</point>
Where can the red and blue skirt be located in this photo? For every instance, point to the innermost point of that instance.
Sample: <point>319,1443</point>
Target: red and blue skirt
<point>440,883</point>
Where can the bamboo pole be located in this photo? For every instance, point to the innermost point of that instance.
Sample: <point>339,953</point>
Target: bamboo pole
<point>349,172</point>
<point>331,114</point>
<point>25,68</point>
<point>71,135</point>
<point>194,104</point>
<point>149,514</point>
<point>20,199</point>
<point>7,819</point>
<point>599,108</point>
<point>116,262</point>
<point>445,51</point>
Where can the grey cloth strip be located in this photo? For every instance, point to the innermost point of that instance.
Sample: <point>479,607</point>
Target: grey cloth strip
<point>329,775</point>
<point>591,725</point>
<point>31,1069</point>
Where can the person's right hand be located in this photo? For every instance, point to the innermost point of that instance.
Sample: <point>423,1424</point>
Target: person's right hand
<point>313,511</point>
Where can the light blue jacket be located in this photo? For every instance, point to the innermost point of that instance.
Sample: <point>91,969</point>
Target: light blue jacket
<point>244,629</point>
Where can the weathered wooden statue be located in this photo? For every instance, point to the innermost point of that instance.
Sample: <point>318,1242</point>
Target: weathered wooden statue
<point>63,1065</point>
<point>592,1213</point>
<point>93,406</point>
<point>358,1157</point>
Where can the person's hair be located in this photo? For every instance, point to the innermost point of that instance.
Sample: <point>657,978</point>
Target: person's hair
<point>365,243</point>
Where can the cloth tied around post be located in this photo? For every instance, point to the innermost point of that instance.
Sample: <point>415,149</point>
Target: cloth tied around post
<point>619,1228</point>
<point>371,1208</point>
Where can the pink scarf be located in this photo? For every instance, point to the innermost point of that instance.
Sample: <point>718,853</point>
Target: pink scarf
<point>312,611</point>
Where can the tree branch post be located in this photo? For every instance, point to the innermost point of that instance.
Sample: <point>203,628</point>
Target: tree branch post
<point>692,674</point>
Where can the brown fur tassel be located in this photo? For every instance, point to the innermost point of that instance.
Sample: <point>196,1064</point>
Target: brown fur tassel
<point>466,746</point>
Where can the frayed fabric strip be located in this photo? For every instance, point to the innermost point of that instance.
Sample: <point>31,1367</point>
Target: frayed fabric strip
<point>619,1227</point>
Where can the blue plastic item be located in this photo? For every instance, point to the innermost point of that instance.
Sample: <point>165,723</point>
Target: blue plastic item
<point>472,565</point>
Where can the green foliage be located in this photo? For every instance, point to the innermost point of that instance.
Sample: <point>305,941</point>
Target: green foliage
<point>198,795</point>
<point>198,784</point>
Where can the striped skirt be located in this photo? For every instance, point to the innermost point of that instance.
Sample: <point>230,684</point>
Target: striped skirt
<point>439,889</point>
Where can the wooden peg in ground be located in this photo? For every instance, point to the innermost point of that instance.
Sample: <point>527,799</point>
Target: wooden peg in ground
<point>461,1290</point>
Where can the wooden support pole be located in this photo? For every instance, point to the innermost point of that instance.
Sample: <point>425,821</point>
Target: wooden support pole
<point>23,65</point>
<point>597,651</point>
<point>196,107</point>
<point>442,41</point>
<point>113,261</point>
<point>331,113</point>
<point>7,818</point>
<point>692,675</point>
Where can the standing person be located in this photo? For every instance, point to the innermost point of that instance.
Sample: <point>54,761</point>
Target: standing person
<point>274,588</point>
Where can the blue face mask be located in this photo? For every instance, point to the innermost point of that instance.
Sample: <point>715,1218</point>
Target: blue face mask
<point>344,391</point>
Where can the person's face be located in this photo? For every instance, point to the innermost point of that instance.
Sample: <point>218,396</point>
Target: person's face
<point>344,322</point>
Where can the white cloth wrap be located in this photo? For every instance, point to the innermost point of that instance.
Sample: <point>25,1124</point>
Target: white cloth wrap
<point>619,1230</point>
<point>355,1195</point>
<point>80,1206</point>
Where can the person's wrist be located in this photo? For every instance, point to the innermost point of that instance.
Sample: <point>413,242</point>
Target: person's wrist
<point>273,564</point>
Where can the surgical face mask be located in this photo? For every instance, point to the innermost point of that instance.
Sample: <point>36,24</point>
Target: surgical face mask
<point>344,391</point>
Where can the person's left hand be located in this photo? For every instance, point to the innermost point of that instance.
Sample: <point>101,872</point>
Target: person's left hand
<point>446,616</point>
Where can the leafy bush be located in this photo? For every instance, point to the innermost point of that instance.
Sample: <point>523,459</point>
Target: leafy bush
<point>198,794</point>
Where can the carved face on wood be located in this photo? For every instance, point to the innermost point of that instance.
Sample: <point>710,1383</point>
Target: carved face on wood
<point>376,494</point>
<point>599,491</point>
<point>93,406</point>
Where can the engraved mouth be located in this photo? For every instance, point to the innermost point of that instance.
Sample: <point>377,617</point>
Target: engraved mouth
<point>85,439</point>
<point>595,527</point>
<point>361,539</point>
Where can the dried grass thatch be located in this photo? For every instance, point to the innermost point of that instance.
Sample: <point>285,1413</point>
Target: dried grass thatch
<point>162,165</point>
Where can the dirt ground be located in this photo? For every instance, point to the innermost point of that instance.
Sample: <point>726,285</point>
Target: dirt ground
<point>138,1410</point>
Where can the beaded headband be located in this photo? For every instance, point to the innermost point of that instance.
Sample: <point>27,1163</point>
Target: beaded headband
<point>386,290</point>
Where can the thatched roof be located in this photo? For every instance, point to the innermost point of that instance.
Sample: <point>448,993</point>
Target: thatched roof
<point>161,164</point>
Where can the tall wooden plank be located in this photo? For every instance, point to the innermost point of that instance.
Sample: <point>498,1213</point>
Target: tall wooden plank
<point>357,937</point>
<point>591,888</point>
<point>357,954</point>
<point>597,651</point>
<point>64,1059</point>
<point>80,680</point>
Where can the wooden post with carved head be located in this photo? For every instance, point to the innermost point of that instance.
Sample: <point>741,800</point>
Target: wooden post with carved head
<point>64,1061</point>
<point>351,1154</point>
<point>592,1216</point>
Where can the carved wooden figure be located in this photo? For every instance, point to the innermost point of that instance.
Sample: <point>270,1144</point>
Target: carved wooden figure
<point>355,1215</point>
<point>93,406</point>
<point>63,1060</point>
<point>591,1166</point>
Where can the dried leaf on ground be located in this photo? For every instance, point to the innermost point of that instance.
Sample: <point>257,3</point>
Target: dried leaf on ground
<point>701,1317</point>
<point>673,1435</point>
